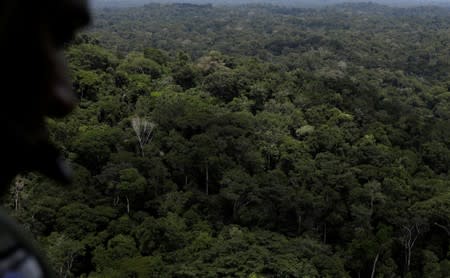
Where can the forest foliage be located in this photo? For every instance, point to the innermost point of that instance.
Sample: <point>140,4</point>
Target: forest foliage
<point>252,141</point>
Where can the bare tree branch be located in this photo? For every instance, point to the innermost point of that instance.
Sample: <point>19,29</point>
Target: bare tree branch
<point>144,131</point>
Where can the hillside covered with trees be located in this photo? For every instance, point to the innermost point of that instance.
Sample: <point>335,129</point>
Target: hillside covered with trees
<point>252,141</point>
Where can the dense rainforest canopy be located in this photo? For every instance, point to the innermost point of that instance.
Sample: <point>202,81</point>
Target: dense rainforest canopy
<point>252,141</point>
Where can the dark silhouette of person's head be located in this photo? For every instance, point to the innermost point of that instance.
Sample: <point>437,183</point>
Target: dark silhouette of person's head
<point>34,82</point>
